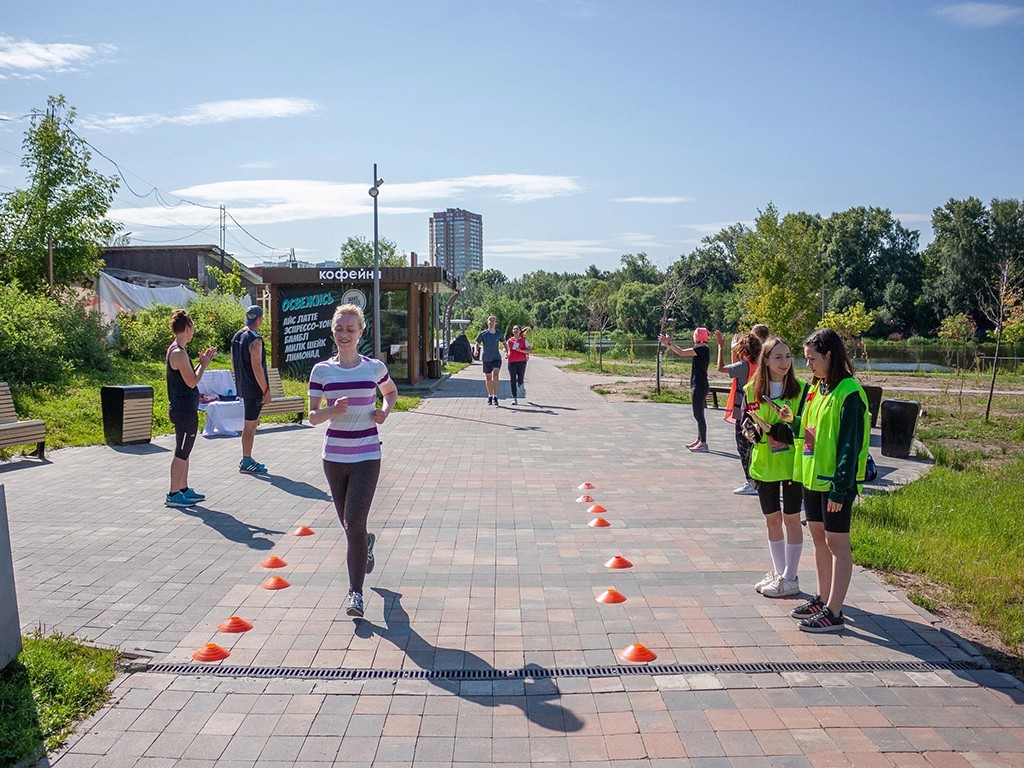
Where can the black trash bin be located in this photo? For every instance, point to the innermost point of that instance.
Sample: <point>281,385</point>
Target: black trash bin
<point>127,414</point>
<point>899,419</point>
<point>874,395</point>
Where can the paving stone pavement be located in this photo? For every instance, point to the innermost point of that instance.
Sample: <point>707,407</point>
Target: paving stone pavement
<point>486,578</point>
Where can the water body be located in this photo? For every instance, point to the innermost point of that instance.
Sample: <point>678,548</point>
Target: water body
<point>880,357</point>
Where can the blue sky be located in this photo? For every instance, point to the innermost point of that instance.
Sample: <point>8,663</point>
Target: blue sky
<point>579,129</point>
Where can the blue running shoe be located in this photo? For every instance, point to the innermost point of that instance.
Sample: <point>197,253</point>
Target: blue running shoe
<point>178,499</point>
<point>252,466</point>
<point>193,494</point>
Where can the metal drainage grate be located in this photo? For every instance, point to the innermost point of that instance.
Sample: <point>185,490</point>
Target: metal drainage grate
<point>540,673</point>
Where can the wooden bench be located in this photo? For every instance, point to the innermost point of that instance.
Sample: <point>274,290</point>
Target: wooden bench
<point>14,432</point>
<point>714,392</point>
<point>279,401</point>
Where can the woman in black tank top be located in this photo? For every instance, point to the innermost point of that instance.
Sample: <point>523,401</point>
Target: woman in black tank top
<point>183,396</point>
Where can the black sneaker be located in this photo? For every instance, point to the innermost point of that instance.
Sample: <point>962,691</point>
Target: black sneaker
<point>809,609</point>
<point>490,400</point>
<point>369,553</point>
<point>826,621</point>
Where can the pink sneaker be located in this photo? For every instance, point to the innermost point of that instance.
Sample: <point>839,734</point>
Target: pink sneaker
<point>699,448</point>
<point>693,445</point>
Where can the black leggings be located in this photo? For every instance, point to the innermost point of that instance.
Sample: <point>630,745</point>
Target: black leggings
<point>744,448</point>
<point>516,373</point>
<point>186,427</point>
<point>768,495</point>
<point>352,487</point>
<point>698,401</point>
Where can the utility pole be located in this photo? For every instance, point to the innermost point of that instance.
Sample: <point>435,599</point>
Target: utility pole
<point>223,227</point>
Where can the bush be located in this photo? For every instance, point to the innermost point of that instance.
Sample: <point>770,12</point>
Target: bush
<point>557,340</point>
<point>146,333</point>
<point>43,339</point>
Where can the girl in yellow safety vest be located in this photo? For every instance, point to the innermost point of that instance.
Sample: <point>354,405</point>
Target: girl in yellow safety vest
<point>774,398</point>
<point>836,433</point>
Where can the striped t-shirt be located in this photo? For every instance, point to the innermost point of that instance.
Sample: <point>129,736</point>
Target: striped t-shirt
<point>352,437</point>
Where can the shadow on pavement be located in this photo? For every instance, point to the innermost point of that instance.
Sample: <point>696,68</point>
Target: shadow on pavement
<point>295,487</point>
<point>231,528</point>
<point>142,449</point>
<point>11,465</point>
<point>536,704</point>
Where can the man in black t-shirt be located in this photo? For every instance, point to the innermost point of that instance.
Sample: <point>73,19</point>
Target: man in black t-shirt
<point>249,364</point>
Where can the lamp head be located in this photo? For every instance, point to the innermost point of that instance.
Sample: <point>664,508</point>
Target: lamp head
<point>374,191</point>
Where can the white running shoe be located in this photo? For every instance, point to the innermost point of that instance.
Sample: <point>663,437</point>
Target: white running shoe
<point>767,579</point>
<point>747,489</point>
<point>782,587</point>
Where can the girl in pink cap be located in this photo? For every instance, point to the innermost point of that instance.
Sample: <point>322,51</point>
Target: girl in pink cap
<point>701,355</point>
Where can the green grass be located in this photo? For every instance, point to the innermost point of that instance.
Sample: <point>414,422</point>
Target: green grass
<point>54,682</point>
<point>959,528</point>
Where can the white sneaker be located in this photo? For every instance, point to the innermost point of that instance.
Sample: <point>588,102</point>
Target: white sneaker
<point>747,489</point>
<point>782,587</point>
<point>767,579</point>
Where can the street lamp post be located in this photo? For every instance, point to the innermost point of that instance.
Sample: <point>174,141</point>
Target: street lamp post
<point>374,191</point>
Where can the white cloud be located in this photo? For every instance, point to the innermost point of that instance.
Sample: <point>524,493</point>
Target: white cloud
<point>546,250</point>
<point>713,227</point>
<point>258,165</point>
<point>225,111</point>
<point>270,201</point>
<point>667,200</point>
<point>513,187</point>
<point>981,15</point>
<point>25,58</point>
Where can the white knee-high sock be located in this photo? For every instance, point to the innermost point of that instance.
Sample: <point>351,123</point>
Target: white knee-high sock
<point>778,552</point>
<point>793,552</point>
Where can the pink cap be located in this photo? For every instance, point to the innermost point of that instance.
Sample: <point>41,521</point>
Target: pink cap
<point>700,335</point>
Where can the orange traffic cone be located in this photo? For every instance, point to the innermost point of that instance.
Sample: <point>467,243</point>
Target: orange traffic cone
<point>303,530</point>
<point>611,595</point>
<point>273,562</point>
<point>276,582</point>
<point>618,562</point>
<point>588,486</point>
<point>234,624</point>
<point>596,509</point>
<point>211,652</point>
<point>584,499</point>
<point>637,652</point>
<point>599,522</point>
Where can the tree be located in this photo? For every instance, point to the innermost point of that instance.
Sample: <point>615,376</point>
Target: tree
<point>958,260</point>
<point>65,205</point>
<point>636,268</point>
<point>1000,297</point>
<point>850,324</point>
<point>957,332</point>
<point>711,273</point>
<point>637,307</point>
<point>358,252</point>
<point>867,248</point>
<point>783,273</point>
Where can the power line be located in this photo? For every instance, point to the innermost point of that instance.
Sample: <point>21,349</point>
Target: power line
<point>155,193</point>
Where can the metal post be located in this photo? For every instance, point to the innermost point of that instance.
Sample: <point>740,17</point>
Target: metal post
<point>374,191</point>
